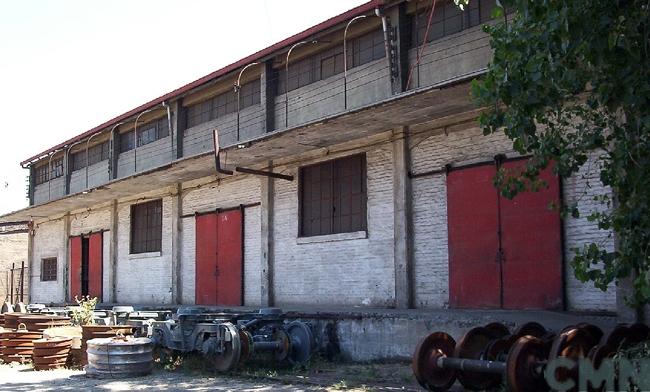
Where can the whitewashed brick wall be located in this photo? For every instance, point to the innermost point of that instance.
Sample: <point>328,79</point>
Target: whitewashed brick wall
<point>48,242</point>
<point>348,272</point>
<point>431,260</point>
<point>144,278</point>
<point>13,250</point>
<point>227,194</point>
<point>578,232</point>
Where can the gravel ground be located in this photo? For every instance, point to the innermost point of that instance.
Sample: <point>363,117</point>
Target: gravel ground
<point>23,378</point>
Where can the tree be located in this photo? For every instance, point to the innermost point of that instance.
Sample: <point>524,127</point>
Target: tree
<point>570,82</point>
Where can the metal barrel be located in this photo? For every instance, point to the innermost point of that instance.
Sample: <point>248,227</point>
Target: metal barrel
<point>118,358</point>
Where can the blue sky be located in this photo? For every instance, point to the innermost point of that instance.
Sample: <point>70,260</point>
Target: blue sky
<point>69,65</point>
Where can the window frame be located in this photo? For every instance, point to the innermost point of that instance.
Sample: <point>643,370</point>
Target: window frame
<point>144,237</point>
<point>41,175</point>
<point>336,196</point>
<point>223,104</point>
<point>51,276</point>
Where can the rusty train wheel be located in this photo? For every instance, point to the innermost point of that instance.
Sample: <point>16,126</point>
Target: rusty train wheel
<point>639,332</point>
<point>574,344</point>
<point>424,363</point>
<point>498,330</point>
<point>617,336</point>
<point>498,349</point>
<point>522,366</point>
<point>473,346</point>
<point>595,332</point>
<point>530,329</point>
<point>246,341</point>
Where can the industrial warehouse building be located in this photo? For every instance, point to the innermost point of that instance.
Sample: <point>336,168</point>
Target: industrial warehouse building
<point>359,178</point>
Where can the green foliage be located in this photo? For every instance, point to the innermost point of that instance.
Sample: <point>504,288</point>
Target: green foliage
<point>84,314</point>
<point>569,84</point>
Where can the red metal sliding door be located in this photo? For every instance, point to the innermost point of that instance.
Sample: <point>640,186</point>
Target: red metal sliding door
<point>532,243</point>
<point>474,272</point>
<point>503,253</point>
<point>219,258</point>
<point>95,265</point>
<point>75,267</point>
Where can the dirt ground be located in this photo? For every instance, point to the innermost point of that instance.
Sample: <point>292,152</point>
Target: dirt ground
<point>189,373</point>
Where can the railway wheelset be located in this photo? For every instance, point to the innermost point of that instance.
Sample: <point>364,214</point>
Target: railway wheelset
<point>229,340</point>
<point>487,356</point>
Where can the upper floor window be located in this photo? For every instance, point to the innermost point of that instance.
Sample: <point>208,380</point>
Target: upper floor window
<point>361,50</point>
<point>333,196</point>
<point>147,133</point>
<point>98,153</point>
<point>57,168</point>
<point>41,174</point>
<point>223,104</point>
<point>146,227</point>
<point>449,19</point>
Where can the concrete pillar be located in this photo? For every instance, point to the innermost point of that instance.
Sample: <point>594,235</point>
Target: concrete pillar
<point>402,217</point>
<point>266,260</point>
<point>399,34</point>
<point>112,251</point>
<point>66,252</point>
<point>179,123</point>
<point>114,154</point>
<point>177,210</point>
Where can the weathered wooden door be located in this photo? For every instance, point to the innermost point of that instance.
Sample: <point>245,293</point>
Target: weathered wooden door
<point>219,258</point>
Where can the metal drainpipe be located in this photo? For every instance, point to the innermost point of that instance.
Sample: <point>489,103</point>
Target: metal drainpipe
<point>171,132</point>
<point>237,90</point>
<point>384,25</point>
<point>345,60</point>
<point>286,81</point>
<point>135,140</point>
<point>87,161</point>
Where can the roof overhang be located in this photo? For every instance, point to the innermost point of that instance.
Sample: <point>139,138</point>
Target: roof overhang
<point>448,100</point>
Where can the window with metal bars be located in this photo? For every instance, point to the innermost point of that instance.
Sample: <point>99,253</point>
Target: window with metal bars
<point>41,174</point>
<point>223,104</point>
<point>98,153</point>
<point>78,160</point>
<point>48,269</point>
<point>448,19</point>
<point>147,133</point>
<point>333,197</point>
<point>146,227</point>
<point>57,168</point>
<point>361,50</point>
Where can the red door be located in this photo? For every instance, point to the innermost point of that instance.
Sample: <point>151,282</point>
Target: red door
<point>472,219</point>
<point>95,261</point>
<point>532,244</point>
<point>75,267</point>
<point>503,253</point>
<point>219,258</point>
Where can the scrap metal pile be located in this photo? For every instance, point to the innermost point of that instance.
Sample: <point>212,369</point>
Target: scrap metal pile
<point>229,340</point>
<point>487,356</point>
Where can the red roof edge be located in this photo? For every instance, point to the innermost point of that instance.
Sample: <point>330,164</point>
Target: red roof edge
<point>362,9</point>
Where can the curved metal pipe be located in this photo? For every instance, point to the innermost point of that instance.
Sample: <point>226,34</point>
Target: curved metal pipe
<point>238,89</point>
<point>345,60</point>
<point>49,175</point>
<point>171,131</point>
<point>87,161</point>
<point>135,140</point>
<point>286,80</point>
<point>67,170</point>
